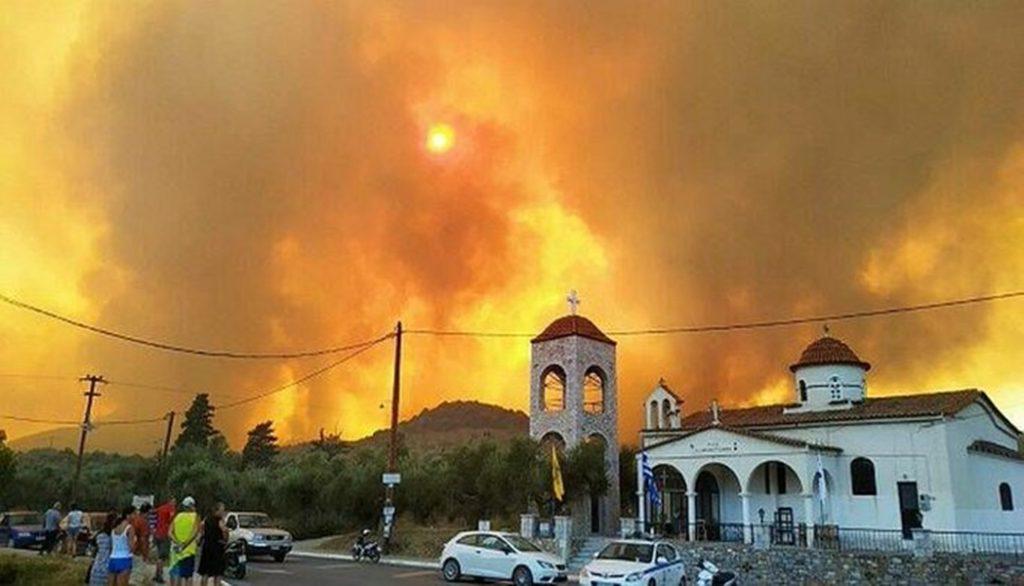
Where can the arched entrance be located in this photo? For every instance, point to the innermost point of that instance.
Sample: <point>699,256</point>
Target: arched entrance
<point>776,502</point>
<point>669,516</point>
<point>718,509</point>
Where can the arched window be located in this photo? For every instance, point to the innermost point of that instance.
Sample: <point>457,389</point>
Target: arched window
<point>666,413</point>
<point>835,388</point>
<point>1005,497</point>
<point>593,391</point>
<point>550,439</point>
<point>862,477</point>
<point>652,416</point>
<point>553,381</point>
<point>803,391</point>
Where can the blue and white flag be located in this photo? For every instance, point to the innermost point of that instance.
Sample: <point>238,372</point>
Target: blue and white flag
<point>649,485</point>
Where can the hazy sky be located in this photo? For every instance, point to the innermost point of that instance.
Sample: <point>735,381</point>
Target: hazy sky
<point>254,176</point>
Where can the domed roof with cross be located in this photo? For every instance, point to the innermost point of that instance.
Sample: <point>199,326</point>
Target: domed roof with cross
<point>828,350</point>
<point>573,325</point>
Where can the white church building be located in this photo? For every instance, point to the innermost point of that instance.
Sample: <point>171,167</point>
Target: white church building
<point>945,461</point>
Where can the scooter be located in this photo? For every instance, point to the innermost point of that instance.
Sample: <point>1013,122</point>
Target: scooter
<point>369,550</point>
<point>710,575</point>
<point>235,560</point>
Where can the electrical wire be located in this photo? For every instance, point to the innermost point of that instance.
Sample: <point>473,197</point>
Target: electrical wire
<point>172,347</point>
<point>744,325</point>
<point>35,420</point>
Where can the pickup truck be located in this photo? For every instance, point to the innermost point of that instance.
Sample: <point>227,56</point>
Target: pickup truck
<point>259,535</point>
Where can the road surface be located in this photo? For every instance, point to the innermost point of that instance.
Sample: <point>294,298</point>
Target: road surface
<point>301,571</point>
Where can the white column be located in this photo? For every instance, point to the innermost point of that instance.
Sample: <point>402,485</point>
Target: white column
<point>691,515</point>
<point>809,516</point>
<point>748,536</point>
<point>641,490</point>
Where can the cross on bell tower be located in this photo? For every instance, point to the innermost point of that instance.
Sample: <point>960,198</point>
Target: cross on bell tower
<point>574,301</point>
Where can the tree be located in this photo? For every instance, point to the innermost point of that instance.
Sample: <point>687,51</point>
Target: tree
<point>261,446</point>
<point>586,472</point>
<point>197,428</point>
<point>7,468</point>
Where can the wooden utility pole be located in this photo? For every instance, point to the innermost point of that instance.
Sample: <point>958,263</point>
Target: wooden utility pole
<point>91,394</point>
<point>389,494</point>
<point>167,446</point>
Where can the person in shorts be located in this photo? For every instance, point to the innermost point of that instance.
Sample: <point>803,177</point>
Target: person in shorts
<point>184,534</point>
<point>161,540</point>
<point>75,521</point>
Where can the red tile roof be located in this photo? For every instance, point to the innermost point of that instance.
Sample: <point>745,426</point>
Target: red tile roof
<point>768,437</point>
<point>995,449</point>
<point>573,325</point>
<point>828,350</point>
<point>945,403</point>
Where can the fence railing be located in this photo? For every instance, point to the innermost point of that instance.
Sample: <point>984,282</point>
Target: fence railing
<point>851,539</point>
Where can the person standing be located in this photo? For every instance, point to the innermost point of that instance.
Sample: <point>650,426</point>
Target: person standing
<point>183,533</point>
<point>215,540</point>
<point>99,570</point>
<point>140,552</point>
<point>75,521</point>
<point>122,540</point>
<point>164,515</point>
<point>51,528</point>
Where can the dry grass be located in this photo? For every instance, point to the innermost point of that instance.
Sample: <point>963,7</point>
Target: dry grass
<point>41,571</point>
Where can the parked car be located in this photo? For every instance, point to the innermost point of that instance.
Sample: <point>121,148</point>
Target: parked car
<point>21,529</point>
<point>500,556</point>
<point>635,562</point>
<point>259,535</point>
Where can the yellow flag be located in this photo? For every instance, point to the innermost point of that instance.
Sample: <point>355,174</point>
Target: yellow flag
<point>556,476</point>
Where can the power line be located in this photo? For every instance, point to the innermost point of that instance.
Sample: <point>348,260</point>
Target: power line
<point>745,325</point>
<point>172,347</point>
<point>46,421</point>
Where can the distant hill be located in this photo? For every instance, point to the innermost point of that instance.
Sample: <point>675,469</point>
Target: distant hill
<point>456,422</point>
<point>449,423</point>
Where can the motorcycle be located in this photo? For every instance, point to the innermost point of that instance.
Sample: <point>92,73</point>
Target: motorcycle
<point>235,560</point>
<point>710,575</point>
<point>369,550</point>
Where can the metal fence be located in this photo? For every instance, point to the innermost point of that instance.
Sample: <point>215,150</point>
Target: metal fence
<point>852,539</point>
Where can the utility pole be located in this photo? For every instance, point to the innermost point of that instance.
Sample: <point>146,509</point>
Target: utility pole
<point>91,394</point>
<point>392,477</point>
<point>167,446</point>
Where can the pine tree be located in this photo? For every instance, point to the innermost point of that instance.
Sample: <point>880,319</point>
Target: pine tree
<point>197,428</point>
<point>261,447</point>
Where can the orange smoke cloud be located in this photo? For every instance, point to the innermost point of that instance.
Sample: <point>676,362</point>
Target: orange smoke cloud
<point>226,175</point>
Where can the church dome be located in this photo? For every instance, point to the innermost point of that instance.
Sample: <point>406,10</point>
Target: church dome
<point>572,325</point>
<point>828,350</point>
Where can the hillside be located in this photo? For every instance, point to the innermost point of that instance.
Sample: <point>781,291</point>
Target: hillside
<point>446,424</point>
<point>456,422</point>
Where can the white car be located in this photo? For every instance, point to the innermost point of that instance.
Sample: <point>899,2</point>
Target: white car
<point>500,556</point>
<point>259,535</point>
<point>635,562</point>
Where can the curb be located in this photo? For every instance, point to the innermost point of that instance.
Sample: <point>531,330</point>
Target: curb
<point>405,563</point>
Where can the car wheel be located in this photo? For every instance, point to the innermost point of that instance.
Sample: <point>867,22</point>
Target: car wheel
<point>451,570</point>
<point>522,576</point>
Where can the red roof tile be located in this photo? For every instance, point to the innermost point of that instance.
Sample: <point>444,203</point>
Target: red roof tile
<point>929,404</point>
<point>573,325</point>
<point>828,350</point>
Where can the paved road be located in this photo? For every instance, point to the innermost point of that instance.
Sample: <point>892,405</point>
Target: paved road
<point>300,571</point>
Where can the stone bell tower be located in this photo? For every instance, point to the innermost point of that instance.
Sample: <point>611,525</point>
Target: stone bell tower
<point>574,399</point>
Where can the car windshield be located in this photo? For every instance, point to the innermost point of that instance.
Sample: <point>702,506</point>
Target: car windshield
<point>630,552</point>
<point>521,544</point>
<point>26,519</point>
<point>253,521</point>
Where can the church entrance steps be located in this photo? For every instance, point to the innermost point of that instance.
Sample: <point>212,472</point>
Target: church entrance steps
<point>583,551</point>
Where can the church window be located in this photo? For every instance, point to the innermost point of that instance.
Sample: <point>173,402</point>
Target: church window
<point>862,477</point>
<point>803,391</point>
<point>653,416</point>
<point>1005,497</point>
<point>553,381</point>
<point>666,412</point>
<point>835,388</point>
<point>593,391</point>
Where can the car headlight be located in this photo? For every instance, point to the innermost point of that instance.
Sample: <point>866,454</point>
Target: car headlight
<point>546,565</point>
<point>634,576</point>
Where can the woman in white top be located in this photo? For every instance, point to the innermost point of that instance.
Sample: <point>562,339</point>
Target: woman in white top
<point>122,540</point>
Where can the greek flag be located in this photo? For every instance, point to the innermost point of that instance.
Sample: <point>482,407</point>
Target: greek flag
<point>649,485</point>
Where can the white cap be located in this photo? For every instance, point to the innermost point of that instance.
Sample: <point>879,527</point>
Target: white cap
<point>188,502</point>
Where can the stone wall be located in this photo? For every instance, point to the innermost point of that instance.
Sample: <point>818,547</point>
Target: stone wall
<point>783,565</point>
